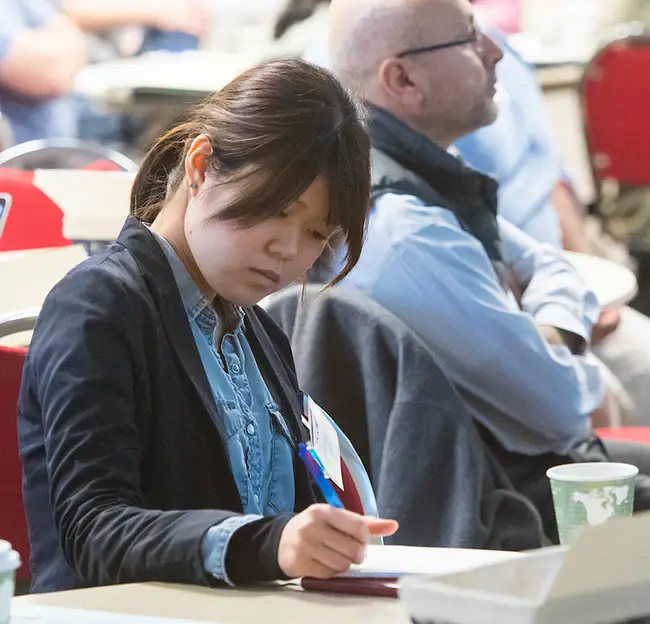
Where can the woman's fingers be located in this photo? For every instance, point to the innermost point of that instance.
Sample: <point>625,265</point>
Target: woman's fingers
<point>381,526</point>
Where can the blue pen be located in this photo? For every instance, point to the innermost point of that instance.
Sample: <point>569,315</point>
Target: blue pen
<point>310,459</point>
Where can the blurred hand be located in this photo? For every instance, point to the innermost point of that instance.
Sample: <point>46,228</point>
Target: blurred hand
<point>323,541</point>
<point>193,17</point>
<point>555,336</point>
<point>607,323</point>
<point>551,334</point>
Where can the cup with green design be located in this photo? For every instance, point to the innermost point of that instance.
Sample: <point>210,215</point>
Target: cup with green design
<point>9,563</point>
<point>589,494</point>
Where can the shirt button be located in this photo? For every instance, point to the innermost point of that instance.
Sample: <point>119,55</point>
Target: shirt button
<point>235,369</point>
<point>250,429</point>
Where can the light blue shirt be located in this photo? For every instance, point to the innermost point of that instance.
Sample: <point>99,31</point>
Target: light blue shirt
<point>257,438</point>
<point>31,118</point>
<point>422,266</point>
<point>516,150</point>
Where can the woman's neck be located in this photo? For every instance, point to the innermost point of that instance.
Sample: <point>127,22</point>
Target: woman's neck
<point>169,225</point>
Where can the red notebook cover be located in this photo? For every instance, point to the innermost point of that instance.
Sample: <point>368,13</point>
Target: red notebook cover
<point>382,587</point>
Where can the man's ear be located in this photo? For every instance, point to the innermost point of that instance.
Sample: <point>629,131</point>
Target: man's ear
<point>397,83</point>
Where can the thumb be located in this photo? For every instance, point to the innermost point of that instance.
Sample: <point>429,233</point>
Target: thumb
<point>381,526</point>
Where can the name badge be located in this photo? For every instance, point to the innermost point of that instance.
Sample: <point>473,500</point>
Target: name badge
<point>325,441</point>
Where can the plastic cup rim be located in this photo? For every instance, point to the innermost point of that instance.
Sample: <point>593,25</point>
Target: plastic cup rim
<point>628,471</point>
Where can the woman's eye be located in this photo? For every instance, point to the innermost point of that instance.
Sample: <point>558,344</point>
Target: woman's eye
<point>318,236</point>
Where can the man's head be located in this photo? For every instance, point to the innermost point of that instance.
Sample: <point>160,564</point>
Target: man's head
<point>426,61</point>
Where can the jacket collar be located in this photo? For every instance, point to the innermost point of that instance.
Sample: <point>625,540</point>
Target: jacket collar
<point>158,276</point>
<point>470,195</point>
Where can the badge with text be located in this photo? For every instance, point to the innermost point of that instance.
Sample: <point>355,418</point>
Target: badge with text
<point>325,441</point>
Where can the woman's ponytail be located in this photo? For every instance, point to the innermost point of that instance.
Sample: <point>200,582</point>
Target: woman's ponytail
<point>159,173</point>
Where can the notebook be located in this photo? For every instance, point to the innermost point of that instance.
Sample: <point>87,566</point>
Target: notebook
<point>396,561</point>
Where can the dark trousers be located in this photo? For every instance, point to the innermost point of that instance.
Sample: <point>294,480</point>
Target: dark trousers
<point>528,474</point>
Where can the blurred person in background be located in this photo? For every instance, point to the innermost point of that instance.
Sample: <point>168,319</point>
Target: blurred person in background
<point>536,195</point>
<point>126,28</point>
<point>137,26</point>
<point>502,14</point>
<point>41,52</point>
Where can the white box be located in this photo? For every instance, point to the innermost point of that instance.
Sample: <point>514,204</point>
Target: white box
<point>603,578</point>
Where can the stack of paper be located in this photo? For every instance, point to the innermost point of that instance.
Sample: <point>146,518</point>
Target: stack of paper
<point>396,561</point>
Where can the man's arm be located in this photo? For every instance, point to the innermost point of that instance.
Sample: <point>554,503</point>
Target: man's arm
<point>553,292</point>
<point>189,16</point>
<point>41,62</point>
<point>571,217</point>
<point>441,283</point>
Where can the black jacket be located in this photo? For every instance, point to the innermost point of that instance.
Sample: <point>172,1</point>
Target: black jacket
<point>124,468</point>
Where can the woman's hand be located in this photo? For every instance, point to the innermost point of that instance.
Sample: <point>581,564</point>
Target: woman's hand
<point>323,541</point>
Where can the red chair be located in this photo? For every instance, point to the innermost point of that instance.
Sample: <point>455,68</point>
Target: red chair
<point>615,94</point>
<point>630,434</point>
<point>31,219</point>
<point>13,524</point>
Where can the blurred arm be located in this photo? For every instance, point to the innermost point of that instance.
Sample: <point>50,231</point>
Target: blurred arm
<point>571,216</point>
<point>97,15</point>
<point>42,62</point>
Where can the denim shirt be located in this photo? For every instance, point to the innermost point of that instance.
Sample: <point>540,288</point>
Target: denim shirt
<point>257,438</point>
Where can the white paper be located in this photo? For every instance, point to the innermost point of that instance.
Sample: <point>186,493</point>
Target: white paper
<point>38,614</point>
<point>389,561</point>
<point>325,441</point>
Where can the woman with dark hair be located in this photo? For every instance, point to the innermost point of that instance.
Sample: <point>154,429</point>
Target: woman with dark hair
<point>159,414</point>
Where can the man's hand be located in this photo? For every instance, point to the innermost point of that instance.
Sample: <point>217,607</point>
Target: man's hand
<point>607,324</point>
<point>559,337</point>
<point>323,541</point>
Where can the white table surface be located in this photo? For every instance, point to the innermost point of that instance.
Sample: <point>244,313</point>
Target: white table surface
<point>192,72</point>
<point>95,204</point>
<point>237,606</point>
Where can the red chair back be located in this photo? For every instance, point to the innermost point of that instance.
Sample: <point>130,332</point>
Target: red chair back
<point>13,524</point>
<point>33,220</point>
<point>616,101</point>
<point>350,494</point>
<point>629,434</point>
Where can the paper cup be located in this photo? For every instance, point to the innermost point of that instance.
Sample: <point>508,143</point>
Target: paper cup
<point>9,563</point>
<point>589,494</point>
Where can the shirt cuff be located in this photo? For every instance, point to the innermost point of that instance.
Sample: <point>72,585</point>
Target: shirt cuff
<point>215,545</point>
<point>556,315</point>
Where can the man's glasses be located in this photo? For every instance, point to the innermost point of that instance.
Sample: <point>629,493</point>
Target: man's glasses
<point>473,38</point>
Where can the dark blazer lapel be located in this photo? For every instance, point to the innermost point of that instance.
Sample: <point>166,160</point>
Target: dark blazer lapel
<point>159,278</point>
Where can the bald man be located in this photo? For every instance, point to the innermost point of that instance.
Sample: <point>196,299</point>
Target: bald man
<point>508,317</point>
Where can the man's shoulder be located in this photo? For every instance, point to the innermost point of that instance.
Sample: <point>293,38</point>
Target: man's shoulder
<point>401,217</point>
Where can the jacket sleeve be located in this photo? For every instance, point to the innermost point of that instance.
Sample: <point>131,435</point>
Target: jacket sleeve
<point>85,377</point>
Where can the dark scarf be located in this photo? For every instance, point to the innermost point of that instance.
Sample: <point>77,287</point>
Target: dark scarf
<point>432,174</point>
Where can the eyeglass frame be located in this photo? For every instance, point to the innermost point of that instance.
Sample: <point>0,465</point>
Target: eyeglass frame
<point>473,38</point>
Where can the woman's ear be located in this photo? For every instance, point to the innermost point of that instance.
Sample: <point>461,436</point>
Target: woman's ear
<point>196,161</point>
